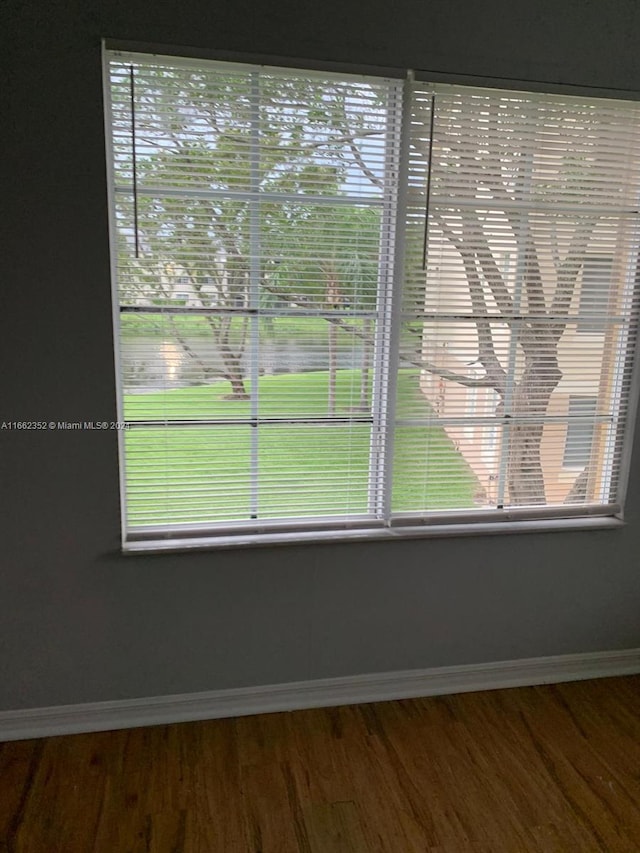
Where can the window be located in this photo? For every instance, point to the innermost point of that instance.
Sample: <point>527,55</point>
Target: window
<point>347,305</point>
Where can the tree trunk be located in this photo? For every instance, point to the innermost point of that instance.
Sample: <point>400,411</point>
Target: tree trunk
<point>232,359</point>
<point>233,373</point>
<point>238,391</point>
<point>579,490</point>
<point>541,375</point>
<point>525,479</point>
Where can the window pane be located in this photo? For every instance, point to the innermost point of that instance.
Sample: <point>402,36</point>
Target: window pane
<point>187,475</point>
<point>595,292</point>
<point>181,367</point>
<point>437,468</point>
<point>579,437</point>
<point>313,470</point>
<point>312,367</point>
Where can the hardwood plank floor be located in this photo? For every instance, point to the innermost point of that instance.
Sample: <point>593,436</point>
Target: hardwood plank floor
<point>553,769</point>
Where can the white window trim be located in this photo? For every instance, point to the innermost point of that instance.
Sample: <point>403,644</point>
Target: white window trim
<point>431,531</point>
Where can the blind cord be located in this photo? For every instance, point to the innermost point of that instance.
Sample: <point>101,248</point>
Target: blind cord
<point>426,211</point>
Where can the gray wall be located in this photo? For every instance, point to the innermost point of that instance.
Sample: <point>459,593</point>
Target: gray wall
<point>80,622</point>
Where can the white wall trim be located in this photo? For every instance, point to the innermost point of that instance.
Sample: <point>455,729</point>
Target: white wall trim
<point>325,692</point>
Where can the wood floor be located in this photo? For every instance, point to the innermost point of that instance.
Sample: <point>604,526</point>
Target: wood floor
<point>553,768</point>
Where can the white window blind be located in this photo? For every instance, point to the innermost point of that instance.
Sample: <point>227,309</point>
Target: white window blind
<point>521,191</point>
<point>342,308</point>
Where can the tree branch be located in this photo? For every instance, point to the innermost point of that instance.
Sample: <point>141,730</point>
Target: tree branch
<point>476,240</point>
<point>496,374</point>
<point>568,270</point>
<point>357,156</point>
<point>452,376</point>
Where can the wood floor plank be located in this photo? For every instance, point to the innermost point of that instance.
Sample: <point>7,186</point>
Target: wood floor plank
<point>19,762</point>
<point>497,732</point>
<point>177,788</point>
<point>575,766</point>
<point>411,780</point>
<point>335,828</point>
<point>445,787</point>
<point>215,788</point>
<point>505,726</point>
<point>552,769</point>
<point>63,806</point>
<point>267,828</point>
<point>358,774</point>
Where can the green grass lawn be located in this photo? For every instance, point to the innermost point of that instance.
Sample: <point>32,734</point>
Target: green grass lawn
<point>303,469</point>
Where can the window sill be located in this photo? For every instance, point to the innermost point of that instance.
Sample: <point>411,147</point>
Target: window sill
<point>386,534</point>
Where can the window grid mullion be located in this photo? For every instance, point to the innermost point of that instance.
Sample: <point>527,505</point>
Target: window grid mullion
<point>248,195</point>
<point>254,289</point>
<point>388,235</point>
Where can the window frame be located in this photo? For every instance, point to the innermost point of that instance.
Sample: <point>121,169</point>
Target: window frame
<point>513,520</point>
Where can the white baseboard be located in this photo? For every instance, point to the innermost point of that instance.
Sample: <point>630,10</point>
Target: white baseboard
<point>325,692</point>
